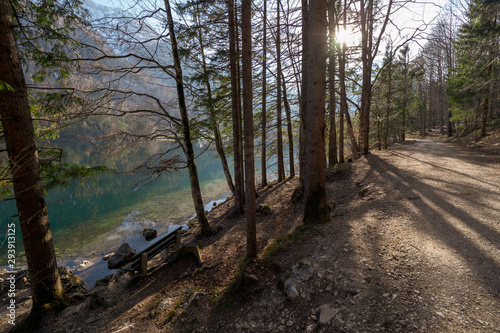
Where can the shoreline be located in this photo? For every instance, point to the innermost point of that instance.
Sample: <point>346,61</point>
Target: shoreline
<point>87,262</point>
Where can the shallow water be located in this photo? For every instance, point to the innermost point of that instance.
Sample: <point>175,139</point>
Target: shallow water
<point>92,218</point>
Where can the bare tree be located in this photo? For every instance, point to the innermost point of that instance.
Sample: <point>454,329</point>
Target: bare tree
<point>264,98</point>
<point>246,28</point>
<point>369,49</point>
<point>332,137</point>
<point>316,208</point>
<point>193,173</point>
<point>279,133</point>
<point>237,147</point>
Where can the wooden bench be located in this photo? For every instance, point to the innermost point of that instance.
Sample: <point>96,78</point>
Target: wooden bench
<point>140,261</point>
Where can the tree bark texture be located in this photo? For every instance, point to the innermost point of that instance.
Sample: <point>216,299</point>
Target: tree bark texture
<point>25,171</point>
<point>303,95</point>
<point>279,131</point>
<point>186,136</point>
<point>332,136</point>
<point>264,99</point>
<point>316,208</point>
<point>237,145</point>
<point>288,113</point>
<point>389,99</point>
<point>246,31</point>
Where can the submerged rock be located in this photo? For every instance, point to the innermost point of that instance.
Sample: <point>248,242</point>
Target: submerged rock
<point>150,234</point>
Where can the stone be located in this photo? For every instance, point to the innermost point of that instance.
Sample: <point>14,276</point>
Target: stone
<point>98,303</point>
<point>124,254</point>
<point>84,263</point>
<point>326,313</point>
<point>106,257</point>
<point>364,190</point>
<point>190,250</point>
<point>150,234</point>
<point>303,270</point>
<point>71,283</point>
<point>310,328</point>
<point>264,209</point>
<point>292,292</point>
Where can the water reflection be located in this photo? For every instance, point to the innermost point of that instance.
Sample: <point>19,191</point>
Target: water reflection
<point>91,218</point>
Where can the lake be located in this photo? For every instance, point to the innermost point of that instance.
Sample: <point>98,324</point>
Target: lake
<point>92,218</point>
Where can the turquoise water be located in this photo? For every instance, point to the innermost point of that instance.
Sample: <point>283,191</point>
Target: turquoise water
<point>91,218</point>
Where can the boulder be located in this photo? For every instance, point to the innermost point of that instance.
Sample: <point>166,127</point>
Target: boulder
<point>150,234</point>
<point>71,283</point>
<point>124,254</point>
<point>190,250</point>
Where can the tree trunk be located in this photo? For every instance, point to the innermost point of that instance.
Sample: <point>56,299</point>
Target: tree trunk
<point>279,133</point>
<point>222,155</point>
<point>344,111</point>
<point>316,208</point>
<point>246,31</point>
<point>484,117</point>
<point>237,148</point>
<point>264,99</point>
<point>388,111</point>
<point>350,130</point>
<point>288,113</point>
<point>303,97</point>
<point>218,139</point>
<point>379,144</point>
<point>366,89</point>
<point>25,172</point>
<point>343,103</point>
<point>405,95</point>
<point>332,135</point>
<point>186,136</point>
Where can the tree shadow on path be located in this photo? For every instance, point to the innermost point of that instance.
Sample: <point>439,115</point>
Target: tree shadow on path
<point>438,217</point>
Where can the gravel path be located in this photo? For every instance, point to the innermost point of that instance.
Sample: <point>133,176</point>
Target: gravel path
<point>437,235</point>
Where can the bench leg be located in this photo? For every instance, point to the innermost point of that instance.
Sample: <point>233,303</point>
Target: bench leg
<point>144,264</point>
<point>178,240</point>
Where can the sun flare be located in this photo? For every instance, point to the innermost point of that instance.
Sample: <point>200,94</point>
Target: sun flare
<point>346,36</point>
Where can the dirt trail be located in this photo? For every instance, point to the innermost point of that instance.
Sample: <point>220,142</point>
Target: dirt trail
<point>413,245</point>
<point>440,231</point>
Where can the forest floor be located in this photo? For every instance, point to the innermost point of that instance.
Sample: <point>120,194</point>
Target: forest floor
<point>413,245</point>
